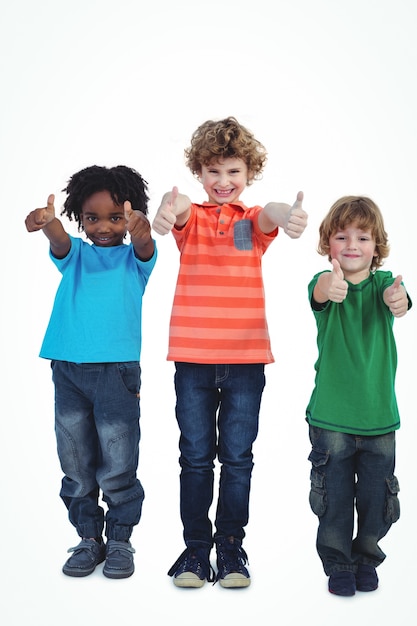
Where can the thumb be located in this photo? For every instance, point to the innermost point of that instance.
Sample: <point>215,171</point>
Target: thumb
<point>397,282</point>
<point>337,269</point>
<point>50,202</point>
<point>174,195</point>
<point>128,210</point>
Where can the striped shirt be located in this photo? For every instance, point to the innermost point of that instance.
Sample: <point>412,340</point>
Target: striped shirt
<point>218,314</point>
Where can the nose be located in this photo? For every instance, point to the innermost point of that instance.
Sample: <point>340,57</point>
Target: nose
<point>223,180</point>
<point>103,227</point>
<point>352,243</point>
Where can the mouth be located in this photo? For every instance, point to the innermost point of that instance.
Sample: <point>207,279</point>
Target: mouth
<point>223,193</point>
<point>102,241</point>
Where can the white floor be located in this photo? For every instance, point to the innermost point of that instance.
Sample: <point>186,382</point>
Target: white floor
<point>288,584</point>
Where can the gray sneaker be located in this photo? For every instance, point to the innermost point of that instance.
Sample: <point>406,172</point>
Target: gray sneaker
<point>119,559</point>
<point>87,555</point>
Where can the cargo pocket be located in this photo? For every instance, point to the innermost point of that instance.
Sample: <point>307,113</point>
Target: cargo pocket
<point>392,504</point>
<point>318,495</point>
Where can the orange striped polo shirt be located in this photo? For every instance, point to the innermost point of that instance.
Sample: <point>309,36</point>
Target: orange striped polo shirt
<point>218,314</point>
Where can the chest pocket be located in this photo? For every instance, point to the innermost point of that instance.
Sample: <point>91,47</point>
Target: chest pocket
<point>242,235</point>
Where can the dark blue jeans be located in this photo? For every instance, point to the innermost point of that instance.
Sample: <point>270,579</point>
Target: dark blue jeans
<point>348,472</point>
<point>97,430</point>
<point>217,410</point>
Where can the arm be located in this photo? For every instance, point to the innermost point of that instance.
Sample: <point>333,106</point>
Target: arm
<point>293,219</point>
<point>44,219</point>
<point>174,210</point>
<point>331,285</point>
<point>140,232</point>
<point>395,297</point>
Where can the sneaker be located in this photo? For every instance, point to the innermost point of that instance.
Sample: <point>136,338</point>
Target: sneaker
<point>119,559</point>
<point>192,568</point>
<point>231,561</point>
<point>87,555</point>
<point>342,583</point>
<point>366,578</point>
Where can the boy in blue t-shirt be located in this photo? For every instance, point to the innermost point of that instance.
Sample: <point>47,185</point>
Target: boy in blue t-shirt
<point>93,340</point>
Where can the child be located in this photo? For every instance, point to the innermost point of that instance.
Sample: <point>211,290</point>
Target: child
<point>93,340</point>
<point>352,413</point>
<point>219,341</point>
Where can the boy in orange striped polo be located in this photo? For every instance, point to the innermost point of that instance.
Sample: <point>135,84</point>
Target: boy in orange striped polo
<point>219,341</point>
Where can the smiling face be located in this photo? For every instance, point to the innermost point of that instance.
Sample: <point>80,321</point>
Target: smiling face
<point>355,250</point>
<point>103,221</point>
<point>224,180</point>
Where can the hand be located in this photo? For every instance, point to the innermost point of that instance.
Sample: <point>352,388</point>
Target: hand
<point>296,219</point>
<point>166,215</point>
<point>39,218</point>
<point>395,297</point>
<point>337,286</point>
<point>137,223</point>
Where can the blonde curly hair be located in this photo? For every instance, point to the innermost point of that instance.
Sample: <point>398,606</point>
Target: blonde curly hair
<point>216,140</point>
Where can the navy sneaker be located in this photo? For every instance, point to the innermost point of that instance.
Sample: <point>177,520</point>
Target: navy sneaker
<point>366,578</point>
<point>342,583</point>
<point>192,568</point>
<point>119,559</point>
<point>87,555</point>
<point>231,561</point>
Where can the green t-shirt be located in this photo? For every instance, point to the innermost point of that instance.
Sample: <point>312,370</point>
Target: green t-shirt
<point>355,371</point>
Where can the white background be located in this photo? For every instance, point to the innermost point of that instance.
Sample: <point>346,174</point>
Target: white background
<point>329,87</point>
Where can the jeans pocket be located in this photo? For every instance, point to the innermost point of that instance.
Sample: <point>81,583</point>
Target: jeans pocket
<point>392,503</point>
<point>318,495</point>
<point>130,375</point>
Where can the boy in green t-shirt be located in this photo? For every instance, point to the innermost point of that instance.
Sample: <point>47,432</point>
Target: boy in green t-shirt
<point>353,413</point>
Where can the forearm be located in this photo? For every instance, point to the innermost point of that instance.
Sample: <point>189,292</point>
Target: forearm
<point>272,215</point>
<point>59,239</point>
<point>144,250</point>
<point>321,289</point>
<point>182,210</point>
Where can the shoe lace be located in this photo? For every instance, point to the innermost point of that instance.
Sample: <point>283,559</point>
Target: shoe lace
<point>193,560</point>
<point>231,557</point>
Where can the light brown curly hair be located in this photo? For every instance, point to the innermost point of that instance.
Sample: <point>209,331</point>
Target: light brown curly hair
<point>216,140</point>
<point>366,214</point>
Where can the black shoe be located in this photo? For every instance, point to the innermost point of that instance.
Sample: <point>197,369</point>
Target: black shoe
<point>192,568</point>
<point>342,583</point>
<point>231,561</point>
<point>366,578</point>
<point>119,559</point>
<point>87,555</point>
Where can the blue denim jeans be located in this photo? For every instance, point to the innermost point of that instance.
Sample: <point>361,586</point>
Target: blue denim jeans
<point>97,430</point>
<point>348,472</point>
<point>217,410</point>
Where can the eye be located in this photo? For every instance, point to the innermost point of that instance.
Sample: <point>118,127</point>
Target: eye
<point>116,218</point>
<point>91,219</point>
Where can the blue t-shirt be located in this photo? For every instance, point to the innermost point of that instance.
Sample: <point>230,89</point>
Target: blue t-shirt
<point>97,313</point>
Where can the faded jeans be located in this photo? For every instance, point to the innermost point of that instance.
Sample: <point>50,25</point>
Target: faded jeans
<point>97,431</point>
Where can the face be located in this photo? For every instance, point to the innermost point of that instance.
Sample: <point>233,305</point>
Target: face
<point>224,180</point>
<point>354,248</point>
<point>103,221</point>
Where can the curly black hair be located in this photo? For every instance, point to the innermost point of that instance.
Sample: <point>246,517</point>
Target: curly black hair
<point>122,182</point>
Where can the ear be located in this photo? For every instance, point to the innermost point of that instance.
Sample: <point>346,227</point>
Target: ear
<point>250,179</point>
